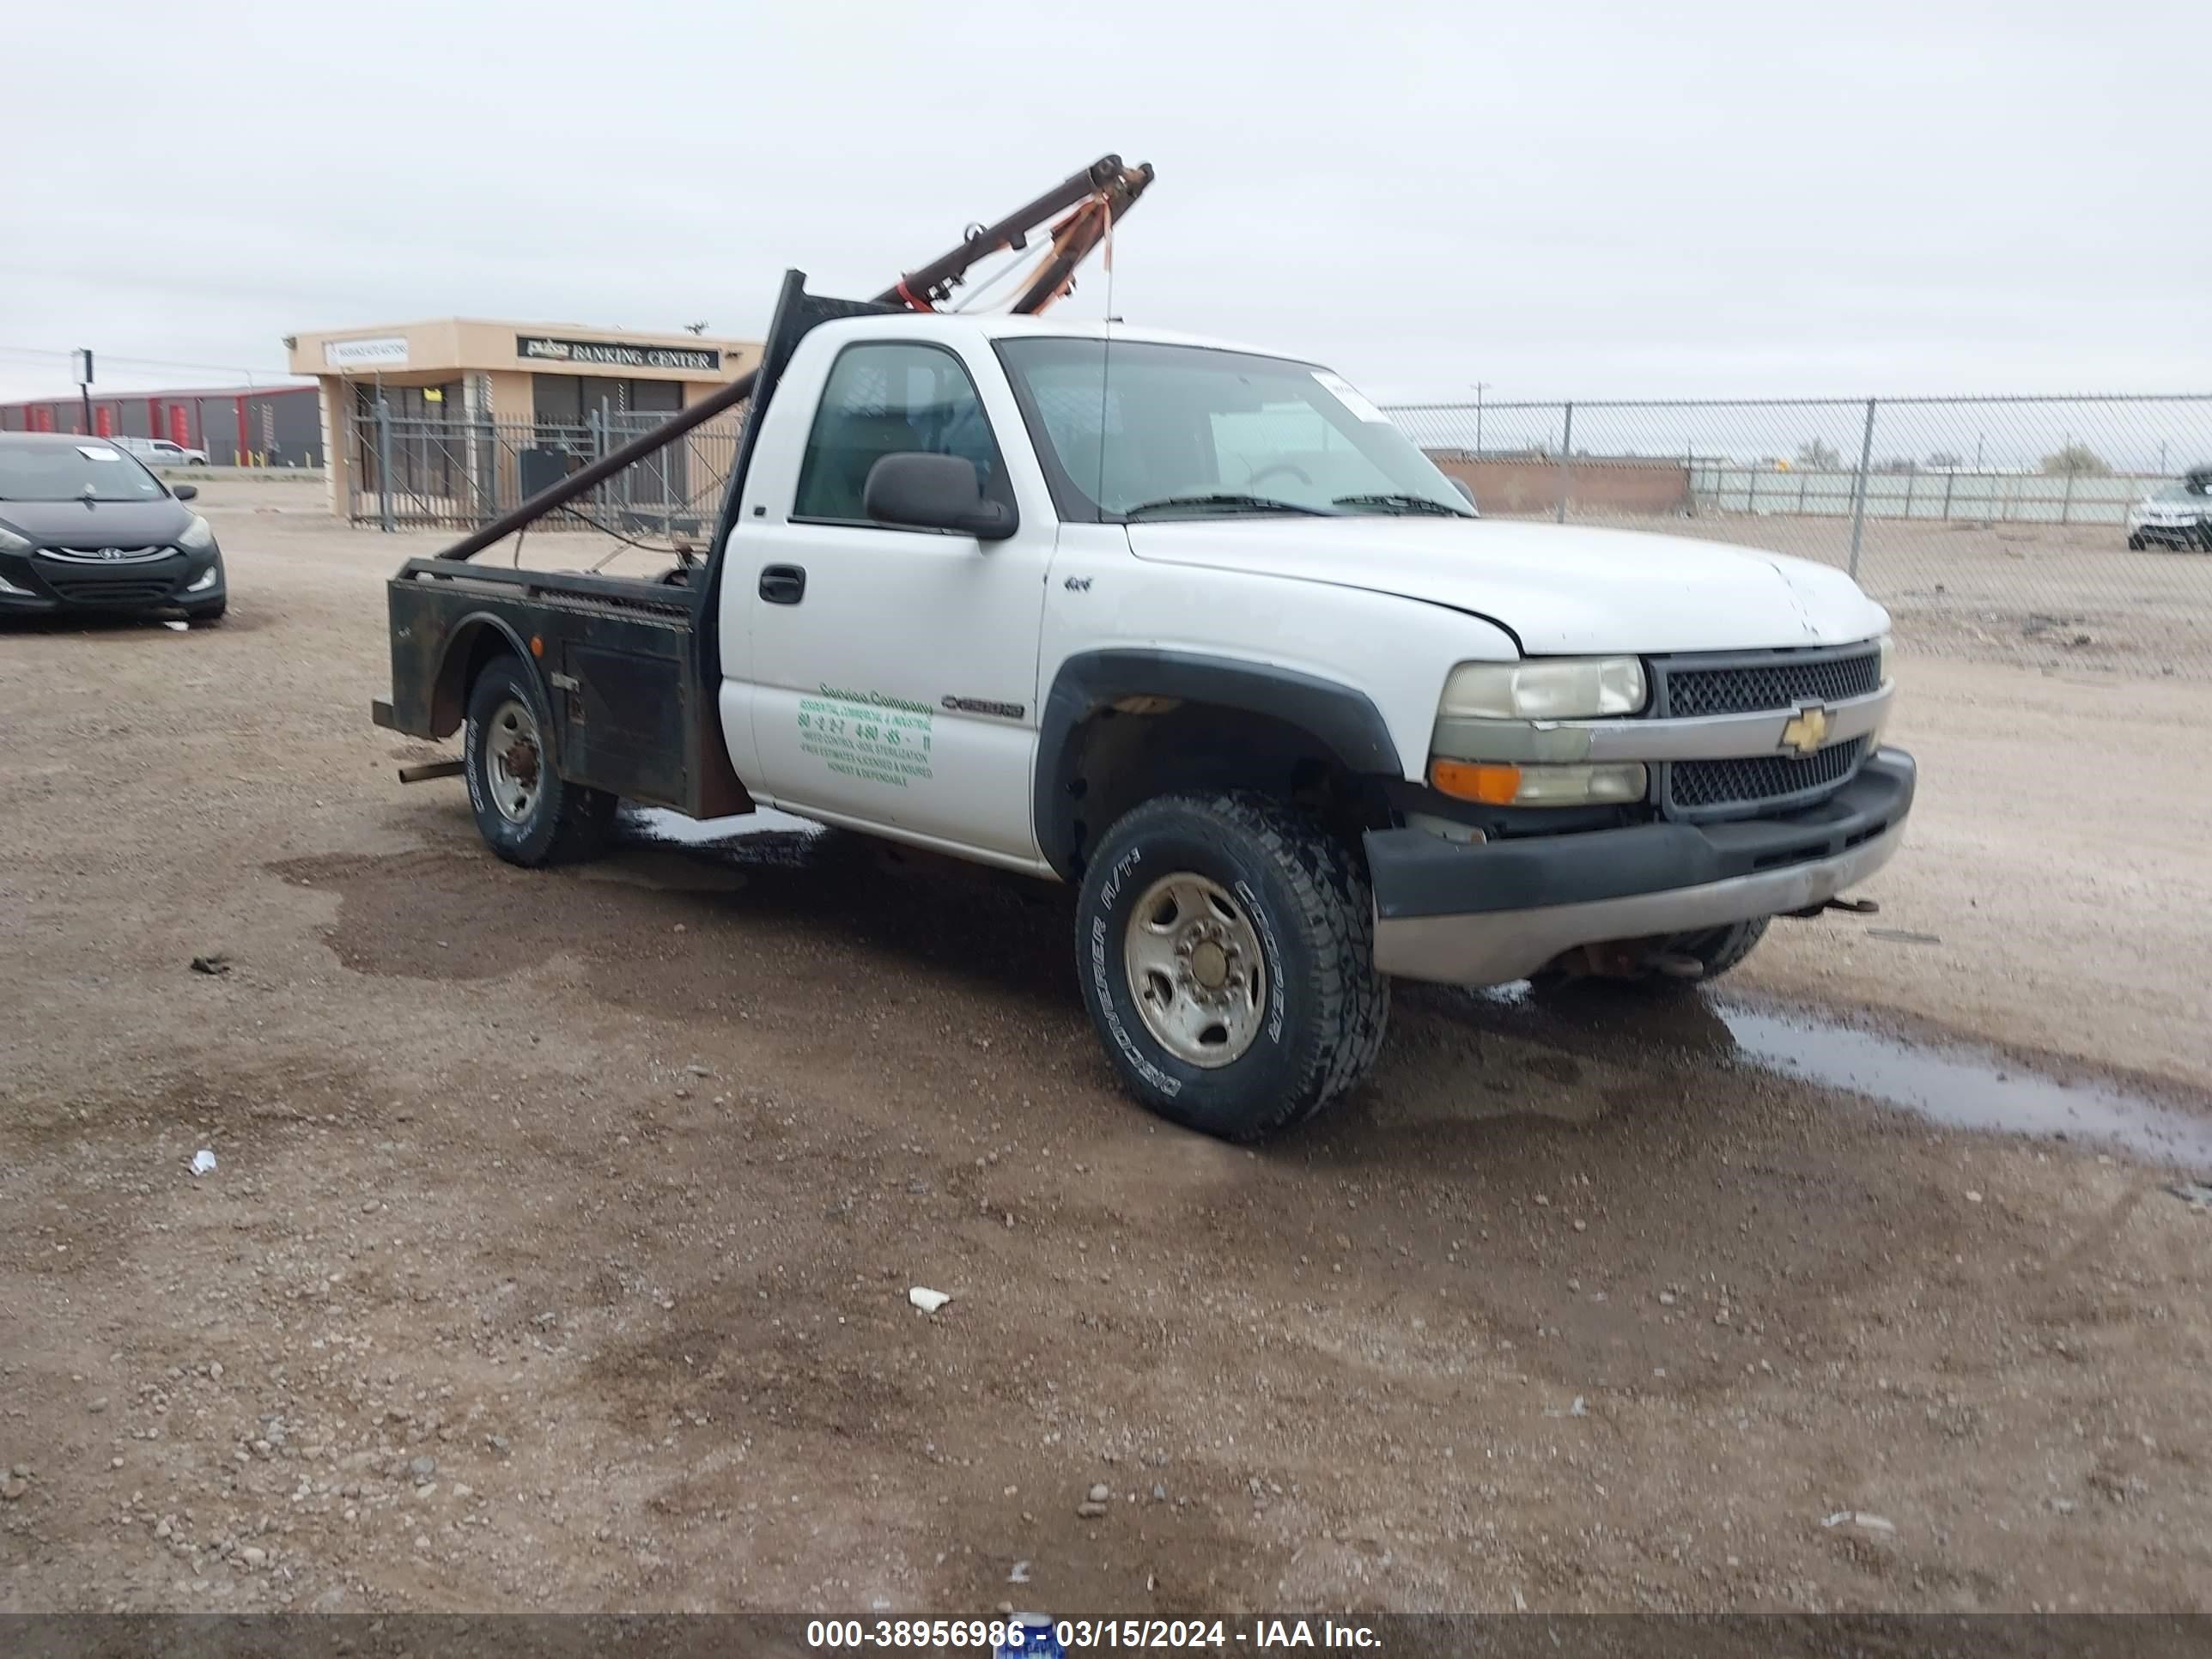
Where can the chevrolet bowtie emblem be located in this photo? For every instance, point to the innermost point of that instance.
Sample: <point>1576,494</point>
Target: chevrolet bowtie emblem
<point>1807,730</point>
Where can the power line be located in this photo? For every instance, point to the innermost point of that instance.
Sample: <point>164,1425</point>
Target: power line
<point>136,362</point>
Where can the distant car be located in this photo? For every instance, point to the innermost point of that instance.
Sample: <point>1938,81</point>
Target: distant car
<point>160,452</point>
<point>85,526</point>
<point>2179,516</point>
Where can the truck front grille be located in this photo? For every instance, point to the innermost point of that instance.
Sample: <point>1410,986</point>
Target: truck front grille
<point>1743,686</point>
<point>1759,783</point>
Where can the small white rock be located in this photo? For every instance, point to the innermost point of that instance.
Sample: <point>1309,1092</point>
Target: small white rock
<point>1860,1519</point>
<point>202,1162</point>
<point>929,1301</point>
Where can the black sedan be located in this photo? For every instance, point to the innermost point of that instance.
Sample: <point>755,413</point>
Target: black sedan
<point>85,526</point>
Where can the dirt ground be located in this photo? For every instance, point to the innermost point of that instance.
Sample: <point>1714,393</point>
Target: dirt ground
<point>558,1250</point>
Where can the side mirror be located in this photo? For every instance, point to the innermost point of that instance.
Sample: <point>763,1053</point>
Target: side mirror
<point>934,492</point>
<point>1467,490</point>
<point>184,492</point>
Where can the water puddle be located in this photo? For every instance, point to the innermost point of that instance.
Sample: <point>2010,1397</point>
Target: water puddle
<point>1964,1087</point>
<point>1959,1085</point>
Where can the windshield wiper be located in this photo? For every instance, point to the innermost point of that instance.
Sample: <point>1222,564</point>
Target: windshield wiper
<point>1228,499</point>
<point>1392,502</point>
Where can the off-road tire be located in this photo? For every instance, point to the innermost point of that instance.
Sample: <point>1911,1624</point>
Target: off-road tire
<point>1306,897</point>
<point>569,824</point>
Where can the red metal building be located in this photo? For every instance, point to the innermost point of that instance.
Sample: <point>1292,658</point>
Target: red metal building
<point>237,425</point>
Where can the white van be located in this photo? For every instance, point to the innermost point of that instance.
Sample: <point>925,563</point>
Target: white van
<point>160,452</point>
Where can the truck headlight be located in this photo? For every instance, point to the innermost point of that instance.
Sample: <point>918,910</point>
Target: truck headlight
<point>197,536</point>
<point>1495,785</point>
<point>1556,688</point>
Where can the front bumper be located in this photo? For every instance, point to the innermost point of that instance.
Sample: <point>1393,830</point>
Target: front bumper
<point>2186,533</point>
<point>1490,912</point>
<point>37,584</point>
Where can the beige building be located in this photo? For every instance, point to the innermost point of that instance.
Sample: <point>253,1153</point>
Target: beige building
<point>539,387</point>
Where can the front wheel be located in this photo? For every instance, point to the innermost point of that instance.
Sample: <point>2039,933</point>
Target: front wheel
<point>526,812</point>
<point>1225,947</point>
<point>2135,543</point>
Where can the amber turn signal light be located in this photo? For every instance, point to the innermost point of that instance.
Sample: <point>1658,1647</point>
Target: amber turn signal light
<point>1491,785</point>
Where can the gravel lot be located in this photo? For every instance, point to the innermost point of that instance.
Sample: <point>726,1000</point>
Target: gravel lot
<point>558,1249</point>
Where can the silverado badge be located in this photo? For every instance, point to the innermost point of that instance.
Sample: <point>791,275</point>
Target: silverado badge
<point>1806,731</point>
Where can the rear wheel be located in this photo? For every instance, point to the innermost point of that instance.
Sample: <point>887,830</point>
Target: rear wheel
<point>2135,543</point>
<point>1225,947</point>
<point>526,812</point>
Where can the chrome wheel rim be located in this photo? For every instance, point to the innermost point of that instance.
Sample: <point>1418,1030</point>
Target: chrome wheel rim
<point>1196,971</point>
<point>516,761</point>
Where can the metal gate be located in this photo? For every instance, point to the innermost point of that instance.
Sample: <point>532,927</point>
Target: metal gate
<point>456,472</point>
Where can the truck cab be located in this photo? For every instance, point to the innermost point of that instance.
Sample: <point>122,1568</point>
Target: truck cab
<point>1193,627</point>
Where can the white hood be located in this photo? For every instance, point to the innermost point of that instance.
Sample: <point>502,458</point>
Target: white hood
<point>1563,590</point>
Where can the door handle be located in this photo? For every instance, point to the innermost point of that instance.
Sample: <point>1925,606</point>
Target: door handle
<point>783,584</point>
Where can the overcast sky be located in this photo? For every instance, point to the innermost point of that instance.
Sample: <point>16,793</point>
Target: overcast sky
<point>1560,200</point>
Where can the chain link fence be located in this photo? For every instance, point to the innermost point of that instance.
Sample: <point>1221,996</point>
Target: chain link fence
<point>2049,531</point>
<point>2041,530</point>
<point>458,472</point>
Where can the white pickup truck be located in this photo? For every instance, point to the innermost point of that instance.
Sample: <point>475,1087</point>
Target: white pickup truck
<point>1194,629</point>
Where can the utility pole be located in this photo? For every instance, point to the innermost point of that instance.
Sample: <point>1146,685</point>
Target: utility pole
<point>1480,387</point>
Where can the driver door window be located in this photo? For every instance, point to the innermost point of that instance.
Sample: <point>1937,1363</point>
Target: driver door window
<point>890,400</point>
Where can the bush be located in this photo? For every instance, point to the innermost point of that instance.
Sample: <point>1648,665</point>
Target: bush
<point>2077,460</point>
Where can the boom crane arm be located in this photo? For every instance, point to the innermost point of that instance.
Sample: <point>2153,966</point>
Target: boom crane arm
<point>1090,202</point>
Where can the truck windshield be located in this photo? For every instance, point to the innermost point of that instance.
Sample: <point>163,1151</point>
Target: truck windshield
<point>69,473</point>
<point>1137,429</point>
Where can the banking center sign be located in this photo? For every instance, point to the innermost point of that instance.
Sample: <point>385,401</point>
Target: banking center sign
<point>616,354</point>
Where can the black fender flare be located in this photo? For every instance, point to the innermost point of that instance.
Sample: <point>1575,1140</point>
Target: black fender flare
<point>1343,721</point>
<point>449,696</point>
